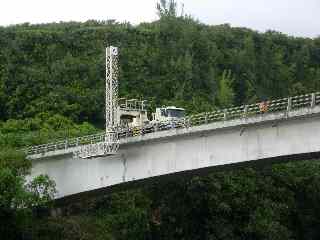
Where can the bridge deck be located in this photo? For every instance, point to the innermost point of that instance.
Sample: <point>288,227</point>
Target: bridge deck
<point>242,115</point>
<point>264,138</point>
<point>275,117</point>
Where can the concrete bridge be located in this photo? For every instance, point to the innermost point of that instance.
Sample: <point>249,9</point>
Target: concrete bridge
<point>288,130</point>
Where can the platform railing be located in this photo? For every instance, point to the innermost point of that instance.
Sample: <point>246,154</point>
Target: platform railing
<point>244,111</point>
<point>132,104</point>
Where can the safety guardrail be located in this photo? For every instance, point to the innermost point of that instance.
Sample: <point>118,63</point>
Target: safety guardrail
<point>132,104</point>
<point>244,111</point>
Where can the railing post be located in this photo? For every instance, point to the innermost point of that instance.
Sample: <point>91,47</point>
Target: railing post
<point>289,104</point>
<point>186,122</point>
<point>225,114</point>
<point>245,111</point>
<point>66,144</point>
<point>313,100</point>
<point>206,118</point>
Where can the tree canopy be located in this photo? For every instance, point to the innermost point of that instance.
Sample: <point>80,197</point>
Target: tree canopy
<point>18,197</point>
<point>52,86</point>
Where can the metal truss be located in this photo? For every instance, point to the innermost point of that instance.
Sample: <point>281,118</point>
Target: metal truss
<point>110,145</point>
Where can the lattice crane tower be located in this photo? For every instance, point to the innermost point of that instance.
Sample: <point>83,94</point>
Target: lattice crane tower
<point>110,144</point>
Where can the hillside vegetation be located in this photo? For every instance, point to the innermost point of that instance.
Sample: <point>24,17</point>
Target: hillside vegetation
<point>52,86</point>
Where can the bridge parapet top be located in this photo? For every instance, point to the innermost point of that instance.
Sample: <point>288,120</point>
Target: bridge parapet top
<point>244,111</point>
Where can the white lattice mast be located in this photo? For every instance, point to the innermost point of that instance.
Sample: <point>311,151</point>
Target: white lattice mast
<point>110,144</point>
<point>111,136</point>
<point>111,88</point>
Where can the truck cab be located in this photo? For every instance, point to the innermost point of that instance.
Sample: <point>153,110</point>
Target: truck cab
<point>168,114</point>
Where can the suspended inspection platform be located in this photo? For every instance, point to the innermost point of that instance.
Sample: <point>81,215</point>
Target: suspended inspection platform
<point>110,145</point>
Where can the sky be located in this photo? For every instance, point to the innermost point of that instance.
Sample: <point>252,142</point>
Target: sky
<point>294,17</point>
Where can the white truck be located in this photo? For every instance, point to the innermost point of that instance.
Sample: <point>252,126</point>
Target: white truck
<point>133,120</point>
<point>168,117</point>
<point>168,114</point>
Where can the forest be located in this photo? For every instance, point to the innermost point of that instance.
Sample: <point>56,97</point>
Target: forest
<point>52,87</point>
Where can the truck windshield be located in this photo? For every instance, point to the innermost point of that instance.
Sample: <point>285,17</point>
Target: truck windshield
<point>176,113</point>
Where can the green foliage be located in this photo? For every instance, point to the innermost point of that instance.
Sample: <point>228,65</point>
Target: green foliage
<point>51,87</point>
<point>59,68</point>
<point>278,202</point>
<point>17,199</point>
<point>41,129</point>
<point>42,189</point>
<point>125,215</point>
<point>167,8</point>
<point>225,94</point>
<point>14,161</point>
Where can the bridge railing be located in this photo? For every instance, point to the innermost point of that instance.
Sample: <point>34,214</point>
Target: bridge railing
<point>245,111</point>
<point>132,104</point>
<point>65,144</point>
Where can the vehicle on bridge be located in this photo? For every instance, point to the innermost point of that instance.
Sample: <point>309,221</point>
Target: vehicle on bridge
<point>167,114</point>
<point>168,117</point>
<point>133,118</point>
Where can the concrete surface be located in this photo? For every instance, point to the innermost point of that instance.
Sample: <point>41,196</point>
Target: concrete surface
<point>278,136</point>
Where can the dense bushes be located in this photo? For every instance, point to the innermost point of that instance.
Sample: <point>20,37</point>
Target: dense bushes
<point>41,129</point>
<point>59,68</point>
<point>52,87</point>
<point>17,197</point>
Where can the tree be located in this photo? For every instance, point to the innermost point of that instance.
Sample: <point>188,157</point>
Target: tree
<point>51,81</point>
<point>167,8</point>
<point>225,94</point>
<point>17,198</point>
